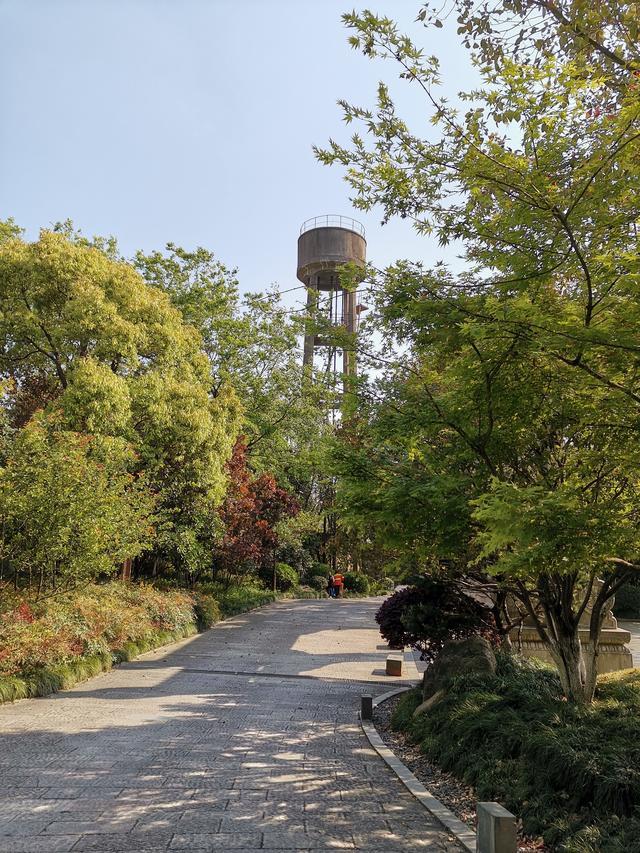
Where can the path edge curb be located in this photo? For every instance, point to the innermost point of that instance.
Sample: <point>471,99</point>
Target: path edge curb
<point>463,834</point>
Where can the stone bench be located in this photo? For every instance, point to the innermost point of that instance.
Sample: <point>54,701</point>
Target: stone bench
<point>394,664</point>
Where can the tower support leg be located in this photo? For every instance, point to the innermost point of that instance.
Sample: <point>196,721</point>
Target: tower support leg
<point>309,338</point>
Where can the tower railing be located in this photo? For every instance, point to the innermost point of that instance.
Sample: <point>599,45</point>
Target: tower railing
<point>333,220</point>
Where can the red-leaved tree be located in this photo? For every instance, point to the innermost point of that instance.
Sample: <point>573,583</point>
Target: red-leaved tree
<point>250,512</point>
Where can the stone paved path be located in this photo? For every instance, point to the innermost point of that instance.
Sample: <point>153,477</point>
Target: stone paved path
<point>634,629</point>
<point>244,738</point>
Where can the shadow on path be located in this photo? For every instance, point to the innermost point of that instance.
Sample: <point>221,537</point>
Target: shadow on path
<point>172,753</point>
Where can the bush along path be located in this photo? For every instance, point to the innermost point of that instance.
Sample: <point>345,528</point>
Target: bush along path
<point>570,772</point>
<point>57,642</point>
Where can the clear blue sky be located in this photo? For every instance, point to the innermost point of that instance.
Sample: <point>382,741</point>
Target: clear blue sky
<point>192,121</point>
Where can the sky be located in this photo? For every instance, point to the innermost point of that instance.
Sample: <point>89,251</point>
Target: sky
<point>192,121</point>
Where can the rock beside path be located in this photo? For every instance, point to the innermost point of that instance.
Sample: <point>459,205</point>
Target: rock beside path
<point>458,657</point>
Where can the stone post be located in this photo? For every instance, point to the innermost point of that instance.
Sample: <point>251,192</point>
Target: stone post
<point>496,829</point>
<point>366,707</point>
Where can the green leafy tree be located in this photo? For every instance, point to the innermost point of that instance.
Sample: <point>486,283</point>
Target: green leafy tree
<point>603,36</point>
<point>83,335</point>
<point>71,510</point>
<point>502,436</point>
<point>252,342</point>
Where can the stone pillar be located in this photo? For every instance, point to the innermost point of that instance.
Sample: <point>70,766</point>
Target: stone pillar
<point>496,829</point>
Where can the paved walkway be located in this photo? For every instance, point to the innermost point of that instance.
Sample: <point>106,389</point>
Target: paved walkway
<point>243,738</point>
<point>634,629</point>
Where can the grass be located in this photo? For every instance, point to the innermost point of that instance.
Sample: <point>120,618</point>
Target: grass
<point>571,773</point>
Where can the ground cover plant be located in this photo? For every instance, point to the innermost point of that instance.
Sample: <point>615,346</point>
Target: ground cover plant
<point>571,772</point>
<point>52,643</point>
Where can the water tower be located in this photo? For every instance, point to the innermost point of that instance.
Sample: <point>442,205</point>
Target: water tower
<point>324,245</point>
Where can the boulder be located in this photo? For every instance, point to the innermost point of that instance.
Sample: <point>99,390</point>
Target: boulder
<point>458,657</point>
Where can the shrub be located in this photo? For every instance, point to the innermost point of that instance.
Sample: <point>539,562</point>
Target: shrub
<point>301,592</point>
<point>318,582</point>
<point>207,611</point>
<point>356,582</point>
<point>320,570</point>
<point>431,612</point>
<point>286,577</point>
<point>570,772</point>
<point>98,620</point>
<point>389,616</point>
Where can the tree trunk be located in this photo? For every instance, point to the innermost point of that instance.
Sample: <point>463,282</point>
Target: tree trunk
<point>125,574</point>
<point>566,650</point>
<point>559,630</point>
<point>603,601</point>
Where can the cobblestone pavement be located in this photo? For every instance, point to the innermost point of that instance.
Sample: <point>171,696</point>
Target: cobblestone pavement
<point>243,738</point>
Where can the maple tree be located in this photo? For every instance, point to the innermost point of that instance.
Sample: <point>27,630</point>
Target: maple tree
<point>499,433</point>
<point>252,508</point>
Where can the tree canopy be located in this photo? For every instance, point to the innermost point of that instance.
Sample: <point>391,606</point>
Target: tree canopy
<point>162,364</point>
<point>500,435</point>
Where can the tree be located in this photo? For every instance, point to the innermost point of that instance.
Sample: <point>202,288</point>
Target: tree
<point>592,35</point>
<point>253,343</point>
<point>504,440</point>
<point>82,335</point>
<point>70,509</point>
<point>252,509</point>
<point>298,541</point>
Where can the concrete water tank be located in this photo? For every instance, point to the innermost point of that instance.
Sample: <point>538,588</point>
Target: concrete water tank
<point>325,244</point>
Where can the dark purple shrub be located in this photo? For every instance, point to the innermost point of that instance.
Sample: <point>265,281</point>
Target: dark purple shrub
<point>389,616</point>
<point>429,613</point>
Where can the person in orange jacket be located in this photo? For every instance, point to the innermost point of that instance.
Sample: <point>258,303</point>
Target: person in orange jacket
<point>338,582</point>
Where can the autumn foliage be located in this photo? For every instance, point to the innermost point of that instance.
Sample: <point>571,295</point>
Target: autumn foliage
<point>251,510</point>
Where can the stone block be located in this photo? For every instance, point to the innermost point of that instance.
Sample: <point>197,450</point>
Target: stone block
<point>394,664</point>
<point>496,829</point>
<point>366,707</point>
